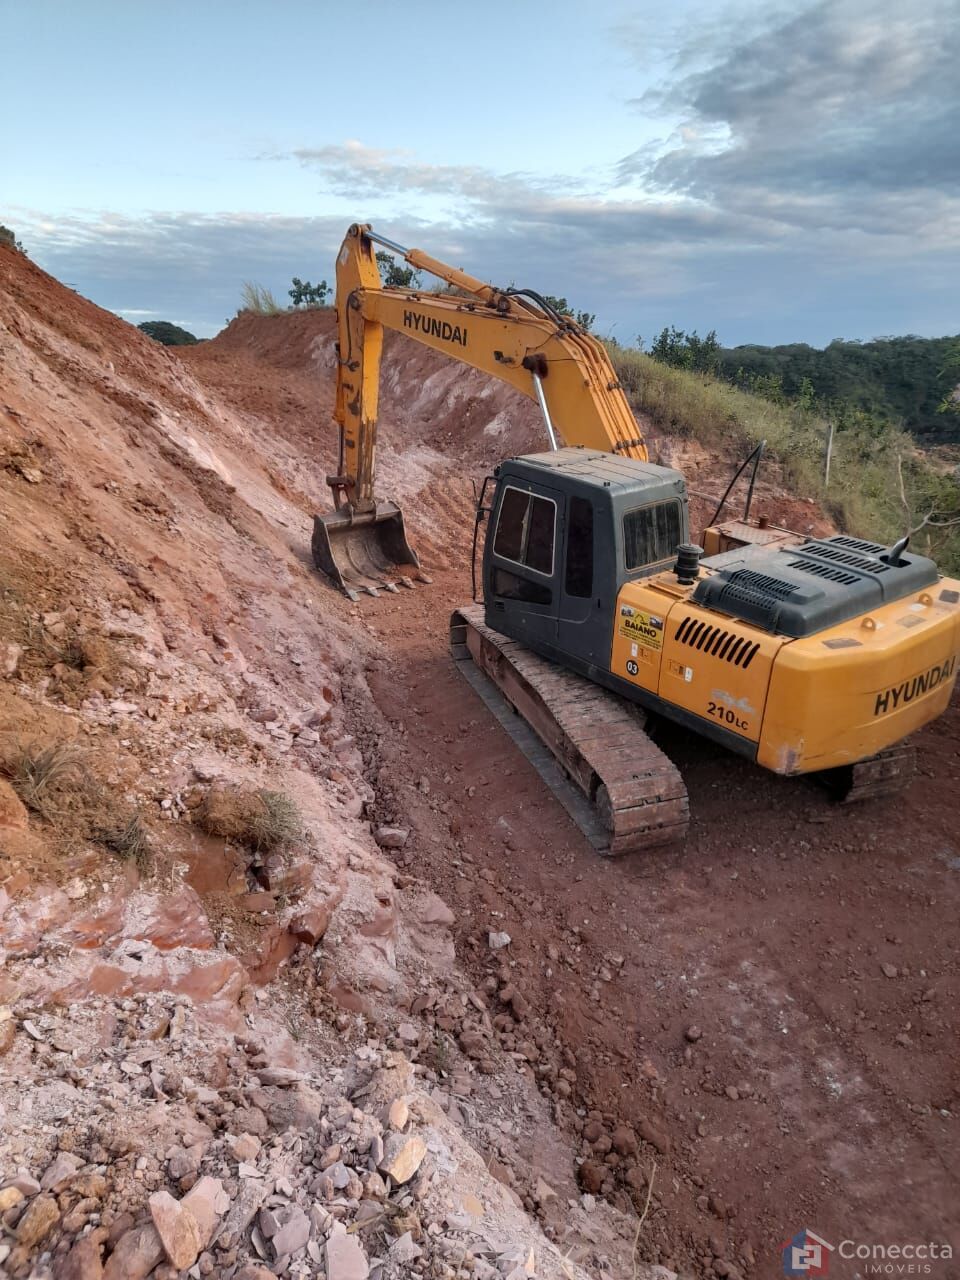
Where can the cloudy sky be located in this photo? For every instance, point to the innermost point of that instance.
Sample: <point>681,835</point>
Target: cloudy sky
<point>776,171</point>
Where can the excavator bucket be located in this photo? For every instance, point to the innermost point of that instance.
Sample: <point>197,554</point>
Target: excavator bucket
<point>366,552</point>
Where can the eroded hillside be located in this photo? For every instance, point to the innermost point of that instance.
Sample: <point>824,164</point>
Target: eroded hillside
<point>218,990</point>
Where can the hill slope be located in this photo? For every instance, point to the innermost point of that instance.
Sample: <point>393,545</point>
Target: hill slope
<point>210,1013</point>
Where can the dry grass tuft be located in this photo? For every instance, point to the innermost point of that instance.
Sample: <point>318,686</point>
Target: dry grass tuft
<point>36,772</point>
<point>55,781</point>
<point>260,300</point>
<point>69,650</point>
<point>261,820</point>
<point>127,838</point>
<point>281,823</point>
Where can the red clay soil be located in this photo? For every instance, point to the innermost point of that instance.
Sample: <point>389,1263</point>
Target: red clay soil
<point>774,1007</point>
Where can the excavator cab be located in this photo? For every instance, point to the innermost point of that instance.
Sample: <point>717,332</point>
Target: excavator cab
<point>567,529</point>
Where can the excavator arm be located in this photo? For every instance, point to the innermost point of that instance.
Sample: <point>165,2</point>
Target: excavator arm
<point>513,335</point>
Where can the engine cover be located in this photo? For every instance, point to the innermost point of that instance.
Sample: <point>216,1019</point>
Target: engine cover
<point>799,590</point>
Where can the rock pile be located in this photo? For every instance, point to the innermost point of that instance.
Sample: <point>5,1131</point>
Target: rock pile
<point>195,1154</point>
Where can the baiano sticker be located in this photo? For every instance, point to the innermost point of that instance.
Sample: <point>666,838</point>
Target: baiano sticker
<point>643,628</point>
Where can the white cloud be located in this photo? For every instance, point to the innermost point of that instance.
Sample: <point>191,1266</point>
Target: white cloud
<point>807,186</point>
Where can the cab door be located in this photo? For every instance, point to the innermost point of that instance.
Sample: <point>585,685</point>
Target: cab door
<point>583,622</point>
<point>522,562</point>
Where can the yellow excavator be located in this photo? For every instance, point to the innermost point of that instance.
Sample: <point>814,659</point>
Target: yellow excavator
<point>806,655</point>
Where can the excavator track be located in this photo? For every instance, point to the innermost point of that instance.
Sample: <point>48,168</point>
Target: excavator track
<point>884,774</point>
<point>599,741</point>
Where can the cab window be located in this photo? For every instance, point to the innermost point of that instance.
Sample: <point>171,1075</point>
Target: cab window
<point>526,529</point>
<point>578,581</point>
<point>651,534</point>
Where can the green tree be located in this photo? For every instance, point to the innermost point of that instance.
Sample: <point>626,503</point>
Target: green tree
<point>704,352</point>
<point>395,276</point>
<point>171,335</point>
<point>951,373</point>
<point>901,380</point>
<point>585,319</point>
<point>305,294</point>
<point>684,350</point>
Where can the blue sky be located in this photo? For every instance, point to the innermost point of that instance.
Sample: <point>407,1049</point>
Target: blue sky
<point>777,172</point>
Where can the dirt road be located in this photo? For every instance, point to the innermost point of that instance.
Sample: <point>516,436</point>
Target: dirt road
<point>729,1000</point>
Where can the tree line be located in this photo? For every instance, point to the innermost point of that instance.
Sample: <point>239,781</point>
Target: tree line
<point>908,381</point>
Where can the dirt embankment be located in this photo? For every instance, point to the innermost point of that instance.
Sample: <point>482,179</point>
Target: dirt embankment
<point>228,1019</point>
<point>763,1025</point>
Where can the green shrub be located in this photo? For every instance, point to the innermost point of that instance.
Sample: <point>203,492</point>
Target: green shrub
<point>395,276</point>
<point>305,294</point>
<point>171,335</point>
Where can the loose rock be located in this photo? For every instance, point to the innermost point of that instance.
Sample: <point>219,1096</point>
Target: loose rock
<point>12,812</point>
<point>82,1262</point>
<point>391,837</point>
<point>10,655</point>
<point>346,1259</point>
<point>40,1218</point>
<point>293,1235</point>
<point>402,1156</point>
<point>177,1228</point>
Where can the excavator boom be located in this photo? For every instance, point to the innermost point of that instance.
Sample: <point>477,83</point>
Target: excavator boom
<point>513,335</point>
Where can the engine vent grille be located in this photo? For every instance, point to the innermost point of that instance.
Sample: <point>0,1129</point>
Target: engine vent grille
<point>751,585</point>
<point>799,590</point>
<point>716,641</point>
<point>840,555</point>
<point>824,571</point>
<point>857,544</point>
